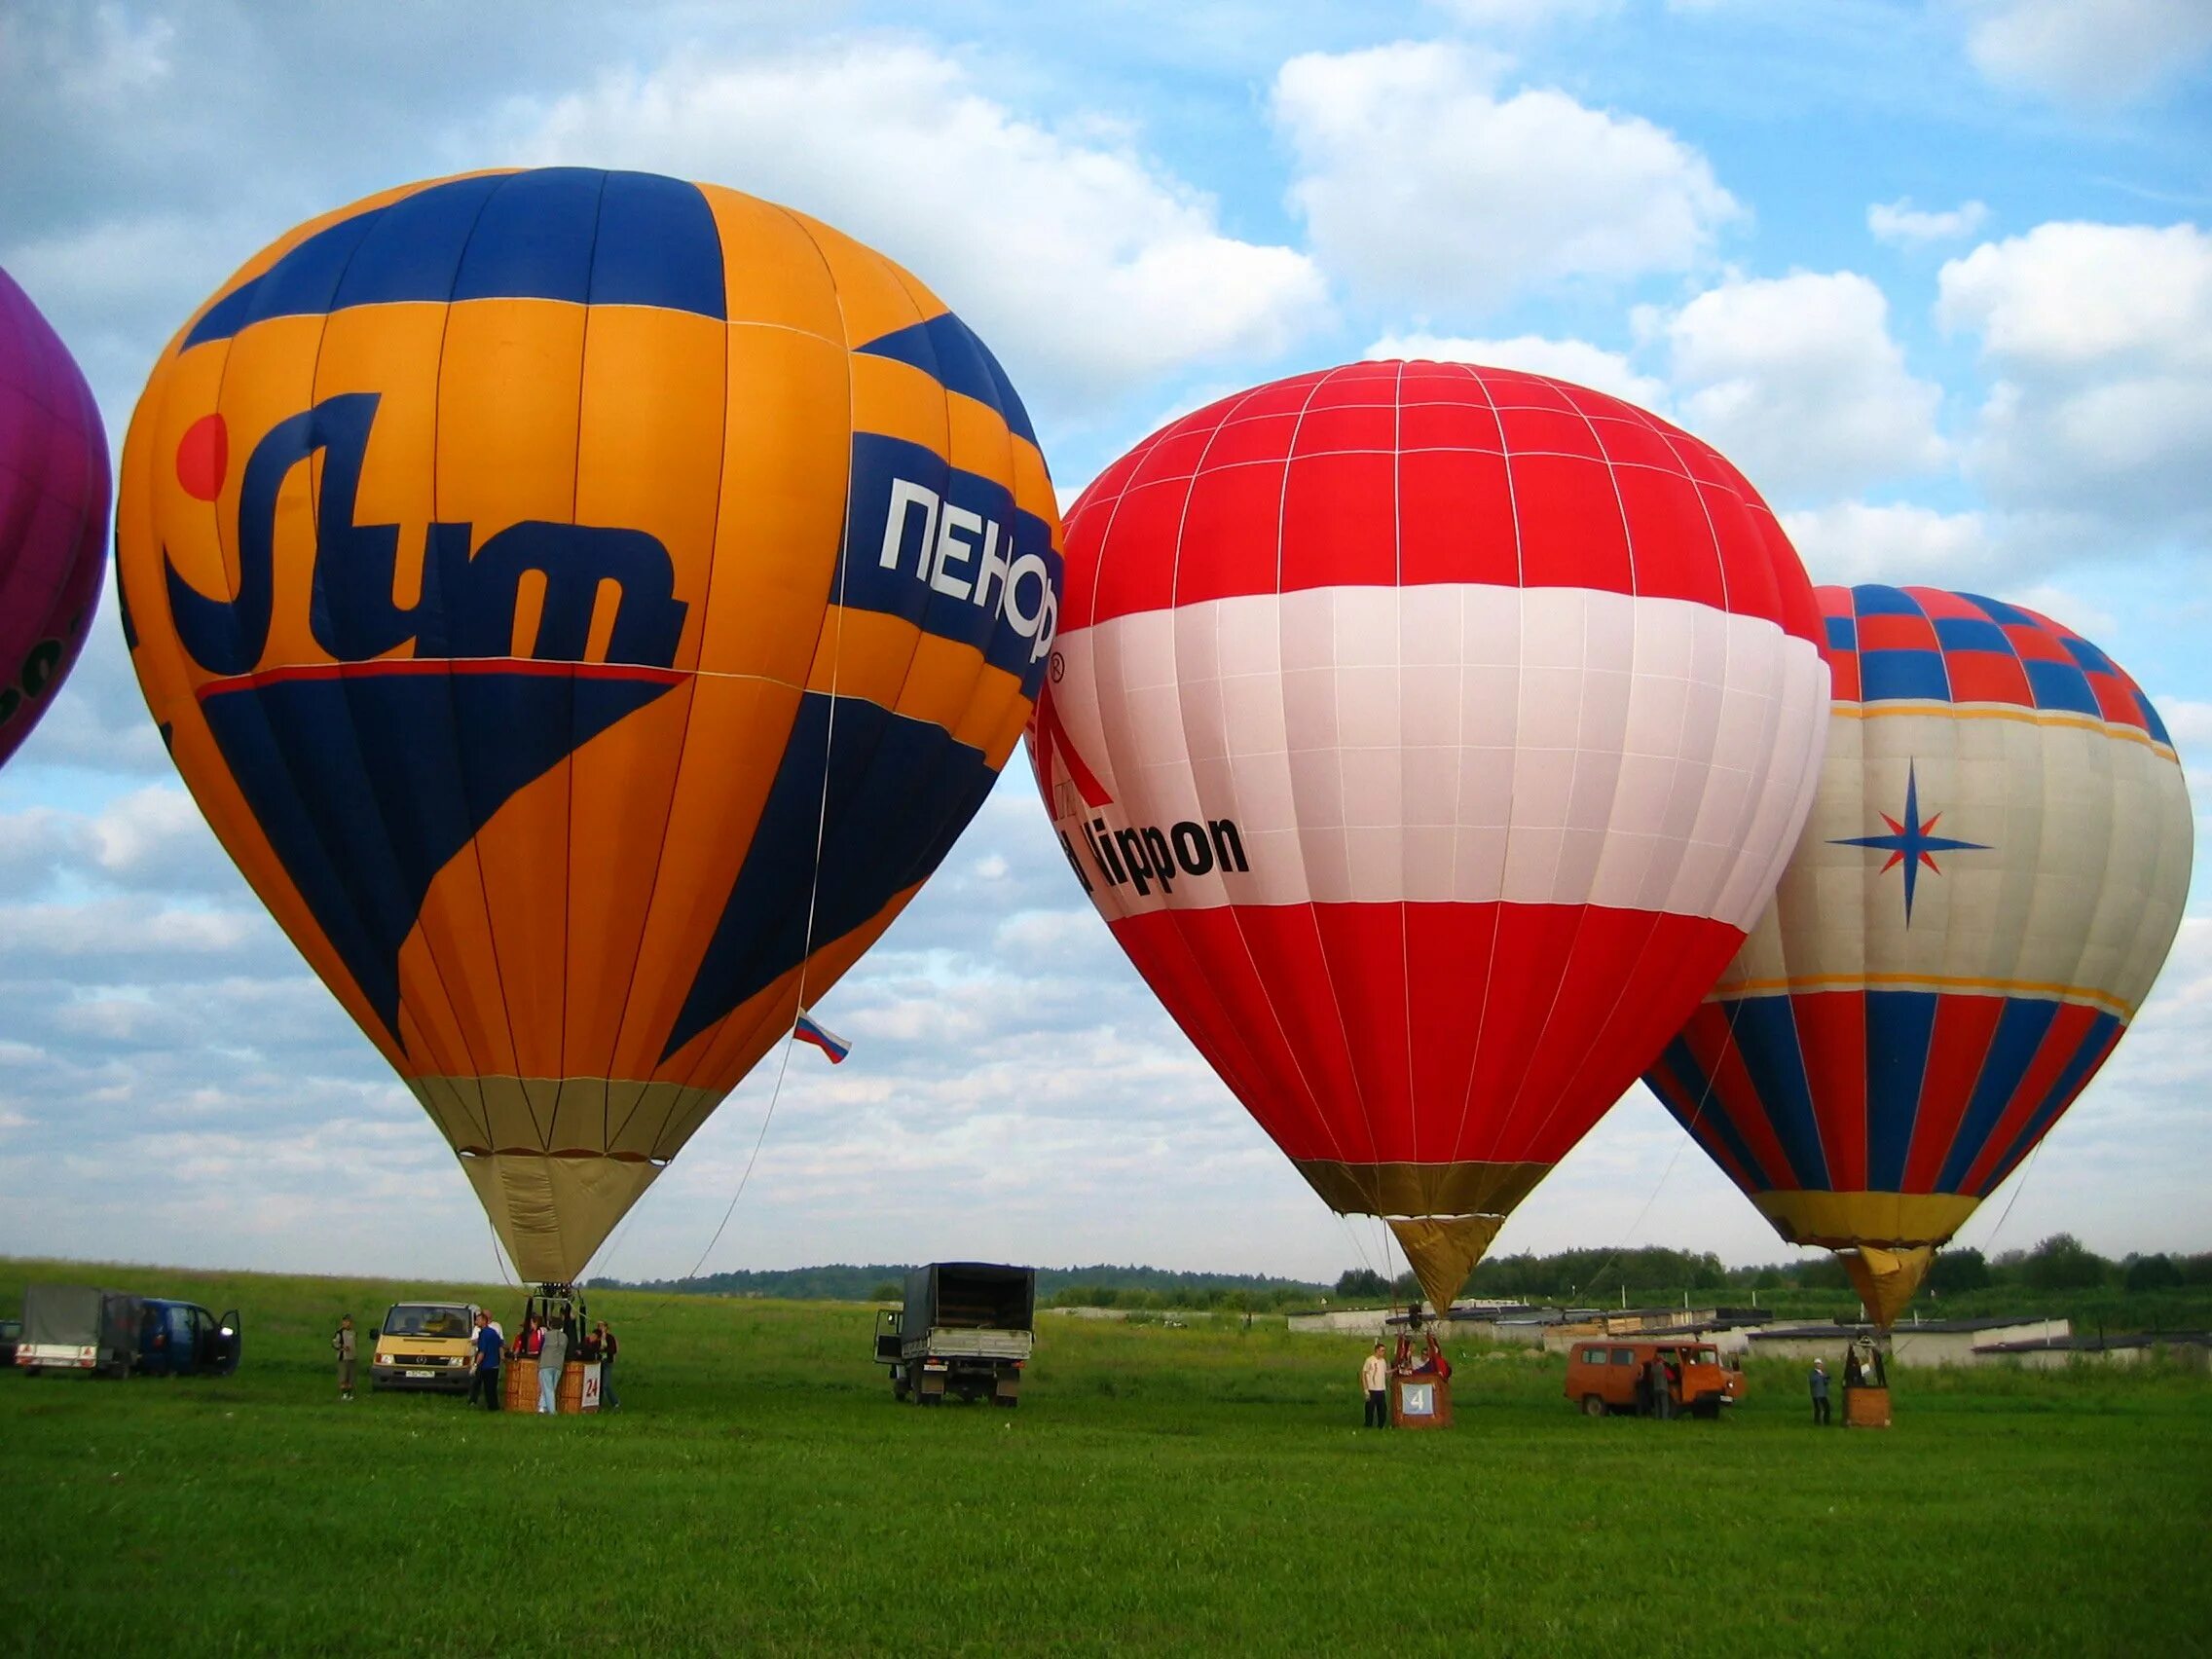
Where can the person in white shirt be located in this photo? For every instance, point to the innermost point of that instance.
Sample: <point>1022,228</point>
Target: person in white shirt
<point>1374,1377</point>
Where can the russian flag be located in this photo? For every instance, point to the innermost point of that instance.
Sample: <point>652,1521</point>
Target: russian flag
<point>810,1030</point>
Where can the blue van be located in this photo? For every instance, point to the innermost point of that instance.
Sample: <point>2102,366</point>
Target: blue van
<point>182,1339</point>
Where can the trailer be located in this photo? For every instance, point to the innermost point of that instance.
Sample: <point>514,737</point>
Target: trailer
<point>74,1327</point>
<point>965,1330</point>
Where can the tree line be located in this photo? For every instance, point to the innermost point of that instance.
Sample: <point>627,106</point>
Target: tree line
<point>2059,1263</point>
<point>1651,1273</point>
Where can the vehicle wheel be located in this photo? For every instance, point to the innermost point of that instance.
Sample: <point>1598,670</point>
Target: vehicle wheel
<point>899,1392</point>
<point>1009,1401</point>
<point>1593,1405</point>
<point>1707,1410</point>
<point>30,1371</point>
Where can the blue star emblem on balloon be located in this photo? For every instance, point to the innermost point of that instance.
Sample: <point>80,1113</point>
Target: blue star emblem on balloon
<point>1911,843</point>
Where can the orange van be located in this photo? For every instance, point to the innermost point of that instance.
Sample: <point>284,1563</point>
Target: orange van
<point>1616,1374</point>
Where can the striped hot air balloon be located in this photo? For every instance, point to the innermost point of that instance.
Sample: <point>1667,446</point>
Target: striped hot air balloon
<point>53,497</point>
<point>586,606</point>
<point>1429,736</point>
<point>1993,871</point>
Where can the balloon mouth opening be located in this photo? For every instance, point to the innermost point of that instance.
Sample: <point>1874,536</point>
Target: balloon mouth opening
<point>567,1151</point>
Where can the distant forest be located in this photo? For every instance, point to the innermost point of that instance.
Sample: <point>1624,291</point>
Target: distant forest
<point>2059,1266</point>
<point>886,1281</point>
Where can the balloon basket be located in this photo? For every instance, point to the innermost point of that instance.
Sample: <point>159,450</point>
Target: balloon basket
<point>1866,1407</point>
<point>575,1396</point>
<point>1421,1401</point>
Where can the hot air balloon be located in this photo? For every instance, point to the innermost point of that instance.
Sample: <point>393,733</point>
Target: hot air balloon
<point>1993,870</point>
<point>587,606</point>
<point>1429,736</point>
<point>54,490</point>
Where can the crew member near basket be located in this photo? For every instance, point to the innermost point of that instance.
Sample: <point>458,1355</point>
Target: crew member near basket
<point>1374,1378</point>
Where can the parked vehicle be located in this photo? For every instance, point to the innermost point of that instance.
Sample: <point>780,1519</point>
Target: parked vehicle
<point>425,1345</point>
<point>70,1327</point>
<point>1613,1375</point>
<point>73,1327</point>
<point>182,1339</point>
<point>10,1333</point>
<point>965,1330</point>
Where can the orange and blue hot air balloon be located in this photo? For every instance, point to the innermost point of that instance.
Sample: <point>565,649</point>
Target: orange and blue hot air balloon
<point>53,495</point>
<point>587,606</point>
<point>1995,865</point>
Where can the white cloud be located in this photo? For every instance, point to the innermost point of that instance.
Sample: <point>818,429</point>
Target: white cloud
<point>1419,182</point>
<point>1907,226</point>
<point>2064,605</point>
<point>1086,266</point>
<point>1575,360</point>
<point>1797,380</point>
<point>1849,542</point>
<point>1524,16</point>
<point>2100,337</point>
<point>2088,54</point>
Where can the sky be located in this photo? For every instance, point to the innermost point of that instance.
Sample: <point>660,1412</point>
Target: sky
<point>1937,277</point>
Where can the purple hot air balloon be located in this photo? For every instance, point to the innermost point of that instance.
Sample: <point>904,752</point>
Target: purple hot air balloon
<point>53,501</point>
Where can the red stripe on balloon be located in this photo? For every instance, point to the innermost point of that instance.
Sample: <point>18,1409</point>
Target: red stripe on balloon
<point>1955,1053</point>
<point>2060,1043</point>
<point>1304,1010</point>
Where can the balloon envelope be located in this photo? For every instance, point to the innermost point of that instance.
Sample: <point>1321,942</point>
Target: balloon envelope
<point>541,578</point>
<point>53,499</point>
<point>1429,736</point>
<point>1994,868</point>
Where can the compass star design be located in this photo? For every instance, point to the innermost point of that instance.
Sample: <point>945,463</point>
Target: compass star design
<point>1910,844</point>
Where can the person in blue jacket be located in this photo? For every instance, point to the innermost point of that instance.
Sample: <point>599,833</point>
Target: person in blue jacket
<point>486,1379</point>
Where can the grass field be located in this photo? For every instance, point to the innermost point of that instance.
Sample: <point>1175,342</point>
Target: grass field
<point>1158,1490</point>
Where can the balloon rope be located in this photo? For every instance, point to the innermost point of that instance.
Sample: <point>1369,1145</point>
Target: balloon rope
<point>1690,1135</point>
<point>2018,1187</point>
<point>499,1256</point>
<point>806,943</point>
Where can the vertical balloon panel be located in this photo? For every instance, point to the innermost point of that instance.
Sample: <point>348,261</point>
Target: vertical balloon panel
<point>514,562</point>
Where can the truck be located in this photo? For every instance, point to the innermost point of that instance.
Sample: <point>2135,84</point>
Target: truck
<point>112,1333</point>
<point>965,1330</point>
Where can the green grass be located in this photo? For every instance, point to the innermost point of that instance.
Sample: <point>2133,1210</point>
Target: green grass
<point>1159,1488</point>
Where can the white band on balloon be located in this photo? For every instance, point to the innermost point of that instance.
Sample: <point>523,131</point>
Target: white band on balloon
<point>1443,743</point>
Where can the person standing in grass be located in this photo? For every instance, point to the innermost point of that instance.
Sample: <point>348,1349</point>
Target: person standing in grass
<point>486,1379</point>
<point>1374,1378</point>
<point>1820,1381</point>
<point>607,1351</point>
<point>343,1345</point>
<point>552,1351</point>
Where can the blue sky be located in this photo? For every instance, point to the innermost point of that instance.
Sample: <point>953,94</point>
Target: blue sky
<point>1935,276</point>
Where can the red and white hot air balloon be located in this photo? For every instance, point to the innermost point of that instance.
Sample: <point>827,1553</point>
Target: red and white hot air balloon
<point>1430,736</point>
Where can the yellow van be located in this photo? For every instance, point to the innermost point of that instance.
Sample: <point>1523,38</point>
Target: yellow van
<point>425,1345</point>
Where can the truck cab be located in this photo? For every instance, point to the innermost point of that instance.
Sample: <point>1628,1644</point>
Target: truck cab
<point>1614,1374</point>
<point>425,1345</point>
<point>965,1330</point>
